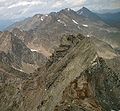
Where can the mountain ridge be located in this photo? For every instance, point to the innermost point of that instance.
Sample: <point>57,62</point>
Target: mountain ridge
<point>47,29</point>
<point>74,78</point>
<point>112,19</point>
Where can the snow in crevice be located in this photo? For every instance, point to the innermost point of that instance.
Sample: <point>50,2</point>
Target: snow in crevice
<point>17,69</point>
<point>81,12</point>
<point>42,19</point>
<point>74,21</point>
<point>84,25</point>
<point>103,29</point>
<point>93,62</point>
<point>46,15</point>
<point>79,27</point>
<point>62,22</point>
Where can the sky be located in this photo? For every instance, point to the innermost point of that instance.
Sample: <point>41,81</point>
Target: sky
<point>16,9</point>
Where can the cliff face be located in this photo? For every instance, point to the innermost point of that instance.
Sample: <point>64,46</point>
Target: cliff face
<point>76,78</point>
<point>15,53</point>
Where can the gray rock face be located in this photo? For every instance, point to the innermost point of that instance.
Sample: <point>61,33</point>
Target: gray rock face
<point>15,53</point>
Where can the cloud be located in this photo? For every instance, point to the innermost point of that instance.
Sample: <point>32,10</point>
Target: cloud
<point>75,2</point>
<point>15,9</point>
<point>12,9</point>
<point>67,3</point>
<point>26,3</point>
<point>102,4</point>
<point>57,4</point>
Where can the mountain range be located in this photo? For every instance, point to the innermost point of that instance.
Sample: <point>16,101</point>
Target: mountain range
<point>63,61</point>
<point>47,29</point>
<point>112,19</point>
<point>5,23</point>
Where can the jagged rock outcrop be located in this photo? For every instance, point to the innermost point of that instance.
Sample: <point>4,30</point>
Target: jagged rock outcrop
<point>96,89</point>
<point>76,78</point>
<point>81,80</point>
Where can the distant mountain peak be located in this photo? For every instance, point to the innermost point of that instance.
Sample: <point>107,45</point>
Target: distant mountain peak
<point>53,13</point>
<point>66,10</point>
<point>37,15</point>
<point>87,13</point>
<point>84,8</point>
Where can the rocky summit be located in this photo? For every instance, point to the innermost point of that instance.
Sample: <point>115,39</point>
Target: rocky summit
<point>76,77</point>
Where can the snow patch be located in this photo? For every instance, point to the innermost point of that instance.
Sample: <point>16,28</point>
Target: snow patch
<point>42,19</point>
<point>88,35</point>
<point>68,9</point>
<point>110,89</point>
<point>74,21</point>
<point>62,22</point>
<point>95,63</point>
<point>94,60</point>
<point>20,70</point>
<point>108,31</point>
<point>81,12</point>
<point>59,20</point>
<point>84,25</point>
<point>79,27</point>
<point>33,50</point>
<point>103,29</point>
